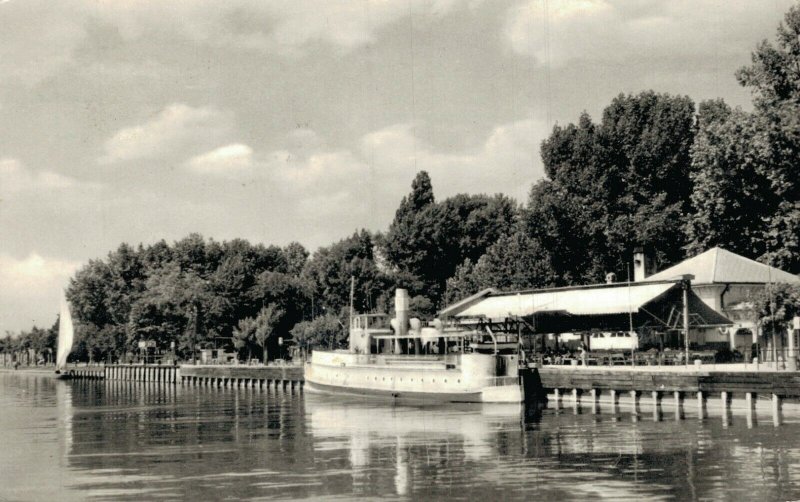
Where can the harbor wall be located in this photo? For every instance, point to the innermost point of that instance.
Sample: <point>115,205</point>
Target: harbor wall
<point>290,377</point>
<point>781,383</point>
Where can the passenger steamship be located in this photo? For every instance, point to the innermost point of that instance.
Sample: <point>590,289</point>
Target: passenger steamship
<point>404,360</point>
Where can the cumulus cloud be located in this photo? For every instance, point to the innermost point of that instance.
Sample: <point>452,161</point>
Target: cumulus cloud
<point>619,32</point>
<point>173,130</point>
<point>362,186</point>
<point>507,161</point>
<point>16,177</point>
<point>31,289</point>
<point>35,274</point>
<point>277,26</point>
<point>228,159</point>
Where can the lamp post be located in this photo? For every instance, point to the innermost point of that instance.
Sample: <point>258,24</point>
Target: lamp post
<point>194,337</point>
<point>686,284</point>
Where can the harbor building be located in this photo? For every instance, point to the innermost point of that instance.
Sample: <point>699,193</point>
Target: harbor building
<point>728,283</point>
<point>660,310</point>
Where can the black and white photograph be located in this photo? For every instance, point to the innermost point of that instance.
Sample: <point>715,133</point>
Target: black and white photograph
<point>411,250</point>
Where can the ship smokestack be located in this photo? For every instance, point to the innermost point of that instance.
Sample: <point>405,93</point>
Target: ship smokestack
<point>401,311</point>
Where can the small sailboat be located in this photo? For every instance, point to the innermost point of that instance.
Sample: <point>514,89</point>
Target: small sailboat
<point>65,339</point>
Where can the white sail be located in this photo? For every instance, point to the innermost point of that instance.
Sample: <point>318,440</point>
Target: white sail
<point>65,335</point>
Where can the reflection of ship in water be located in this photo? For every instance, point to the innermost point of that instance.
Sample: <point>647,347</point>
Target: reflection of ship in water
<point>416,450</point>
<point>442,435</point>
<point>131,440</point>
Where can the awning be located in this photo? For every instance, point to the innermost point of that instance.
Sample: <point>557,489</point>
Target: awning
<point>657,304</point>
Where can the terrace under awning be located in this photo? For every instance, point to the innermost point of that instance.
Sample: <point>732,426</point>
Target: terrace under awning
<point>601,307</point>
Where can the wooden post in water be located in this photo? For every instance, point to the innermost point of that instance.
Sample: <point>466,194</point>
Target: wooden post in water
<point>750,409</point>
<point>677,397</point>
<point>595,401</point>
<point>614,401</point>
<point>557,398</point>
<point>701,405</point>
<point>635,402</point>
<point>726,404</point>
<point>776,410</point>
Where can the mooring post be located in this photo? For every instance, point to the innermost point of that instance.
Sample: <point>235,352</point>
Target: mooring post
<point>726,405</point>
<point>576,399</point>
<point>677,397</point>
<point>776,410</point>
<point>595,401</point>
<point>750,409</point>
<point>656,395</point>
<point>701,405</point>
<point>614,401</point>
<point>557,398</point>
<point>634,402</point>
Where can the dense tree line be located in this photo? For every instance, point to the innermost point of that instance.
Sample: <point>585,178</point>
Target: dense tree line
<point>655,171</point>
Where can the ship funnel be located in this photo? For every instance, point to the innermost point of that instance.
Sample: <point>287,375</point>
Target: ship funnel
<point>401,311</point>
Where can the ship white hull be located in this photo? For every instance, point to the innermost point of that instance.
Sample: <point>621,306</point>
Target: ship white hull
<point>469,378</point>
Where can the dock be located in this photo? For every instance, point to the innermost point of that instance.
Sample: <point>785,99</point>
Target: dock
<point>275,376</point>
<point>678,383</point>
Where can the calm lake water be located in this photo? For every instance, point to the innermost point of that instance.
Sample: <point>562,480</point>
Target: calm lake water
<point>125,441</point>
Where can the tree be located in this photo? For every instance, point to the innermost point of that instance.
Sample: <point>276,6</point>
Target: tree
<point>514,262</point>
<point>244,335</point>
<point>732,197</point>
<point>745,164</point>
<point>296,257</point>
<point>409,243</point>
<point>615,186</point>
<point>323,331</point>
<point>266,324</point>
<point>774,75</point>
<point>428,240</point>
<point>329,271</point>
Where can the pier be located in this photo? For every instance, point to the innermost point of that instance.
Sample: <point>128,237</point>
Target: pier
<point>287,377</point>
<point>675,384</point>
<point>142,373</point>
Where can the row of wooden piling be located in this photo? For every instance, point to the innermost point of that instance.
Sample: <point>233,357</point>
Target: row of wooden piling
<point>86,373</point>
<point>249,383</point>
<point>678,398</point>
<point>141,373</point>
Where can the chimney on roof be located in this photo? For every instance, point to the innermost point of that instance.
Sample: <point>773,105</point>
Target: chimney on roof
<point>641,264</point>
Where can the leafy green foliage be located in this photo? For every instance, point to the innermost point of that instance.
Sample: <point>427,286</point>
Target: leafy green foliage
<point>428,240</point>
<point>514,262</point>
<point>614,186</point>
<point>747,188</point>
<point>325,331</point>
<point>650,173</point>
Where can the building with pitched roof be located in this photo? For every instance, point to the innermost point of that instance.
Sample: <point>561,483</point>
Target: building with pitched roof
<point>726,282</point>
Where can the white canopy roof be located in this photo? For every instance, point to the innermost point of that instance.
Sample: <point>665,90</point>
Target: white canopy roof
<point>598,300</point>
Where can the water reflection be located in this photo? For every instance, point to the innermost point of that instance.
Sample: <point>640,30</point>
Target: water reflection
<point>128,441</point>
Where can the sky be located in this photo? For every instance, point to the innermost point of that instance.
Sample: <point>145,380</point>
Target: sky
<point>305,120</point>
